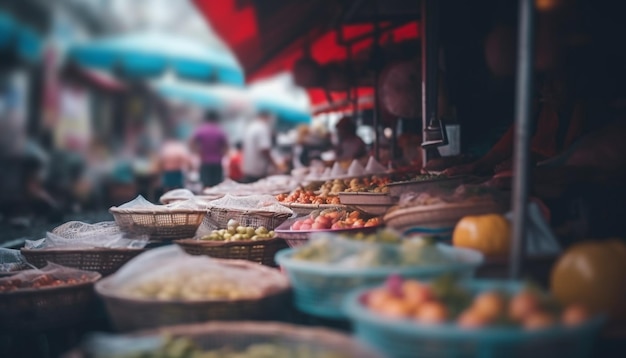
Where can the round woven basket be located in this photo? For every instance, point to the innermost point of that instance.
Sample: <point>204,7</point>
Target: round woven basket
<point>159,225</point>
<point>217,218</point>
<point>129,314</point>
<point>261,252</point>
<point>103,261</point>
<point>41,309</point>
<point>239,335</point>
<point>438,216</point>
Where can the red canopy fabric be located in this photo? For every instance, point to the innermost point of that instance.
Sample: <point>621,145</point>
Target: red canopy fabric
<point>320,102</point>
<point>269,36</point>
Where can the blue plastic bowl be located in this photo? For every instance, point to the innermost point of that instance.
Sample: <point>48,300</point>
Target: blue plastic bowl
<point>404,338</point>
<point>320,288</point>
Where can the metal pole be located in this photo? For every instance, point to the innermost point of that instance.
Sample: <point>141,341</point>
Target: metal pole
<point>430,64</point>
<point>523,118</point>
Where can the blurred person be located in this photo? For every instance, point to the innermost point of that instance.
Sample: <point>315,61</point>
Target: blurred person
<point>311,142</point>
<point>560,112</point>
<point>210,142</point>
<point>410,144</point>
<point>234,163</point>
<point>257,146</point>
<point>174,162</point>
<point>350,146</point>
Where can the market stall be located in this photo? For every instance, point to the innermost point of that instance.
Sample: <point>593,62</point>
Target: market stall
<point>409,264</point>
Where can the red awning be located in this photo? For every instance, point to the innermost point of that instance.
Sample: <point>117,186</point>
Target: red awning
<point>269,36</point>
<point>339,102</point>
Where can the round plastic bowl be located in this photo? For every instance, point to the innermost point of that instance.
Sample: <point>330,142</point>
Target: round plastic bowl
<point>403,338</point>
<point>320,288</point>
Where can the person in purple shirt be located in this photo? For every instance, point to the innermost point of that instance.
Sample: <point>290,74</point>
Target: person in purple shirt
<point>209,140</point>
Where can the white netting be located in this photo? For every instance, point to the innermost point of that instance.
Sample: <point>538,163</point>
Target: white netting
<point>168,273</point>
<point>80,235</point>
<point>273,185</point>
<point>176,195</point>
<point>258,203</point>
<point>45,276</point>
<point>12,260</point>
<point>141,204</point>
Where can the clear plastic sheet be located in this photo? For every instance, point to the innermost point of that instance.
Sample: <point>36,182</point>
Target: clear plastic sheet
<point>80,235</point>
<point>176,195</point>
<point>141,204</point>
<point>12,260</point>
<point>336,250</point>
<point>45,276</point>
<point>168,273</point>
<point>265,203</point>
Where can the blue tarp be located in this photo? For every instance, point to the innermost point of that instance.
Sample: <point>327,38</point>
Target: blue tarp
<point>151,54</point>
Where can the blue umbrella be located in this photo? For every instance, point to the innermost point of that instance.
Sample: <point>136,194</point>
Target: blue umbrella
<point>214,96</point>
<point>150,54</point>
<point>278,95</point>
<point>26,41</point>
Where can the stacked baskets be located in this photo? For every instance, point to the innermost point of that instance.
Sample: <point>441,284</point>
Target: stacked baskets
<point>321,289</point>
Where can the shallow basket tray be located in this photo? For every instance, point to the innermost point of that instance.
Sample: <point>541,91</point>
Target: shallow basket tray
<point>42,309</point>
<point>398,188</point>
<point>376,204</point>
<point>102,260</point>
<point>262,251</point>
<point>159,225</point>
<point>438,216</point>
<point>306,209</point>
<point>128,314</point>
<point>295,238</point>
<point>217,218</point>
<point>239,335</point>
<point>320,289</point>
<point>404,338</point>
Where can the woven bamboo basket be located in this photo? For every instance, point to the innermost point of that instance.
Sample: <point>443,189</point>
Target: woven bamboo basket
<point>240,335</point>
<point>129,314</point>
<point>101,260</point>
<point>159,225</point>
<point>217,218</point>
<point>42,309</point>
<point>261,252</point>
<point>438,216</point>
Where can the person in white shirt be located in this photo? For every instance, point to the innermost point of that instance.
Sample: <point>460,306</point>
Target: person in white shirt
<point>257,146</point>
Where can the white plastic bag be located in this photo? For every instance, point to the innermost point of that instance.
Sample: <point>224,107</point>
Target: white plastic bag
<point>170,274</point>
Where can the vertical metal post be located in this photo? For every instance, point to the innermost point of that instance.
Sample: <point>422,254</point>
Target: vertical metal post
<point>430,63</point>
<point>523,118</point>
<point>376,116</point>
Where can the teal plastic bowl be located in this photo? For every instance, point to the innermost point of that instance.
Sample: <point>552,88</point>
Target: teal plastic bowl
<point>404,338</point>
<point>320,289</point>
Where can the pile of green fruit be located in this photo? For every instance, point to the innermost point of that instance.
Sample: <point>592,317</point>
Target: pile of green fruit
<point>236,232</point>
<point>403,252</point>
<point>186,348</point>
